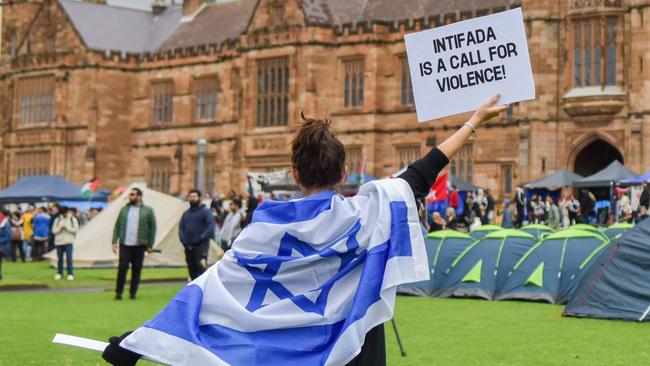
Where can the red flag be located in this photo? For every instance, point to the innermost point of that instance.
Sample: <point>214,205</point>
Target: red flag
<point>438,190</point>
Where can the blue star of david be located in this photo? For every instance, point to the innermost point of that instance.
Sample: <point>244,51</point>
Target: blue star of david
<point>264,281</point>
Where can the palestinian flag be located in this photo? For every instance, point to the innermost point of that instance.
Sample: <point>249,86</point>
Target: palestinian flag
<point>90,187</point>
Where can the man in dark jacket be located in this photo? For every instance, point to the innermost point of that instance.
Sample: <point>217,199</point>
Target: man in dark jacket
<point>520,204</point>
<point>195,231</point>
<point>644,200</point>
<point>134,233</point>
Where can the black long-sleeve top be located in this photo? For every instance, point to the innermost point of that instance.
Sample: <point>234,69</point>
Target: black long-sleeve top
<point>423,172</point>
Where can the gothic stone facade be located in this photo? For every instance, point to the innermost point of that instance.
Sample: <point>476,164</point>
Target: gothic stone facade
<point>84,97</point>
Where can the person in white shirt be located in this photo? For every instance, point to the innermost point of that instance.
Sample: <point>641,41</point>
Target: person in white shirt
<point>65,228</point>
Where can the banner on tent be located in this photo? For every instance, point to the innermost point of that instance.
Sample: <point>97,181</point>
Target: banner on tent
<point>457,67</point>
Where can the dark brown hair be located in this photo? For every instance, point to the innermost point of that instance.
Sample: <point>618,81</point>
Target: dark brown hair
<point>317,154</point>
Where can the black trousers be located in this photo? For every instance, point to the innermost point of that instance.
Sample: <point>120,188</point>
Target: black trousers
<point>17,247</point>
<point>520,217</point>
<point>133,255</point>
<point>373,352</point>
<point>197,259</point>
<point>38,249</point>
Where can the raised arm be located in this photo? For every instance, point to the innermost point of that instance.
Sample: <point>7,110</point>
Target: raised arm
<point>485,112</point>
<point>423,173</point>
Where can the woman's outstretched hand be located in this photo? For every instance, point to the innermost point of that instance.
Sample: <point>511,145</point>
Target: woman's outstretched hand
<point>487,111</point>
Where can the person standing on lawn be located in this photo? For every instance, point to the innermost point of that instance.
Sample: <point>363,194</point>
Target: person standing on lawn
<point>195,230</point>
<point>28,230</point>
<point>134,234</point>
<point>17,237</point>
<point>65,230</point>
<point>5,237</point>
<point>41,234</point>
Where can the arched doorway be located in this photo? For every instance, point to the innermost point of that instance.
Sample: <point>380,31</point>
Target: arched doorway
<point>596,156</point>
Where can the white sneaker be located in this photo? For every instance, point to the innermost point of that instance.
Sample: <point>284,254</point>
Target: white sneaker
<point>57,276</point>
<point>70,277</point>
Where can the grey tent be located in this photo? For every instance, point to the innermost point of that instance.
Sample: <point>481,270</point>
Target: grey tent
<point>615,171</point>
<point>616,285</point>
<point>556,180</point>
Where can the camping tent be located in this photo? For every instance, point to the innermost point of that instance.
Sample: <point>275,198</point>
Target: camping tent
<point>617,229</point>
<point>442,248</point>
<point>46,188</point>
<point>587,227</point>
<point>615,171</point>
<point>537,230</point>
<point>483,230</point>
<point>483,267</point>
<point>92,247</point>
<point>616,285</point>
<point>555,181</point>
<point>552,268</point>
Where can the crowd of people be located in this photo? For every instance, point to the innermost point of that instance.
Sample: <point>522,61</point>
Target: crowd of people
<point>479,209</point>
<point>27,235</point>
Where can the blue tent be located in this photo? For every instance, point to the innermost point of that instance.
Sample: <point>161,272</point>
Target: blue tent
<point>46,188</point>
<point>618,229</point>
<point>537,230</point>
<point>483,230</point>
<point>645,177</point>
<point>443,247</point>
<point>482,269</point>
<point>552,268</point>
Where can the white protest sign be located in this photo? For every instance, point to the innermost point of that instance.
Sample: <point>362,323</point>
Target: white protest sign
<point>456,68</point>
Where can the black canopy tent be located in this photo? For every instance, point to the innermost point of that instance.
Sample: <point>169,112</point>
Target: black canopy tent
<point>615,171</point>
<point>555,181</point>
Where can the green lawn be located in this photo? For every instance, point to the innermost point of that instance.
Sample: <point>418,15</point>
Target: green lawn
<point>41,273</point>
<point>434,331</point>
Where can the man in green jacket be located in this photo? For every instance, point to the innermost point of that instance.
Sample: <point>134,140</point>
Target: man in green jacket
<point>134,233</point>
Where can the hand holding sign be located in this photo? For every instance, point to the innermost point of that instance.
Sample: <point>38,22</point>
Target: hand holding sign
<point>487,111</point>
<point>456,67</point>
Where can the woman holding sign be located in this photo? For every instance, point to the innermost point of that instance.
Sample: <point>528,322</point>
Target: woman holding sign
<point>308,281</point>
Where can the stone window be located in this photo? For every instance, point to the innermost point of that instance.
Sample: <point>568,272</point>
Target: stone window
<point>462,164</point>
<point>207,95</point>
<point>407,154</point>
<point>353,159</point>
<point>36,100</point>
<point>162,93</point>
<point>277,15</point>
<point>210,174</point>
<point>28,164</point>
<point>594,50</point>
<point>406,96</point>
<point>160,173</point>
<point>353,87</point>
<point>273,92</point>
<point>506,172</point>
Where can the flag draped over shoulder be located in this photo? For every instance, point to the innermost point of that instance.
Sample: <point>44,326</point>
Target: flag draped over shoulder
<point>302,285</point>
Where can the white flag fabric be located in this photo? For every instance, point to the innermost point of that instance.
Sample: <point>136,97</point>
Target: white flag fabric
<point>302,284</point>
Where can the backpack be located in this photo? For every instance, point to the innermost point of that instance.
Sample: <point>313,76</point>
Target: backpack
<point>16,235</point>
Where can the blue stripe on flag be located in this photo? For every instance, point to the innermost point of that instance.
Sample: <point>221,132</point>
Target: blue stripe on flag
<point>285,212</point>
<point>400,236</point>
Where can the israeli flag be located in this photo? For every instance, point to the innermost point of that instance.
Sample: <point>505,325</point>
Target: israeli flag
<point>302,284</point>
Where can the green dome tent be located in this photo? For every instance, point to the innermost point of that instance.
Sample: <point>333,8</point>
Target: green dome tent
<point>617,229</point>
<point>443,247</point>
<point>537,230</point>
<point>589,228</point>
<point>483,267</point>
<point>552,268</point>
<point>483,230</point>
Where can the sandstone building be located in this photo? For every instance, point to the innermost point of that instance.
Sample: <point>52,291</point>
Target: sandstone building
<point>95,90</point>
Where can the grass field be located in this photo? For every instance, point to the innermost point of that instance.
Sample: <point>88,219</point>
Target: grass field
<point>40,273</point>
<point>434,331</point>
